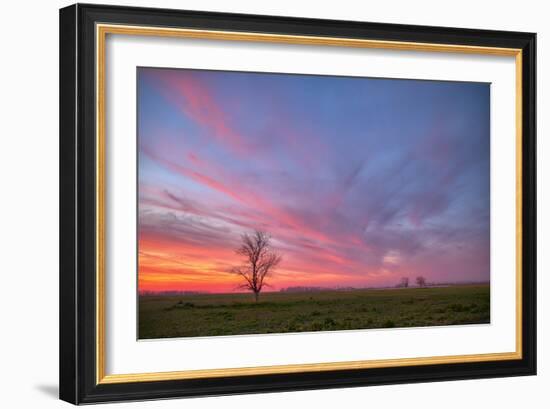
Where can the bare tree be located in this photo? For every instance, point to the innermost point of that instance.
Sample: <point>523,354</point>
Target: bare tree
<point>259,261</point>
<point>421,281</point>
<point>404,283</point>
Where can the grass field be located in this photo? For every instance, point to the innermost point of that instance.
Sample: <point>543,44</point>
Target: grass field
<point>233,314</point>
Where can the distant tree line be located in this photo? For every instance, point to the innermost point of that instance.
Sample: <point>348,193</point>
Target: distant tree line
<point>171,292</point>
<point>311,289</point>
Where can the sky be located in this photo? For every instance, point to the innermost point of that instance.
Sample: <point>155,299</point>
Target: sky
<point>359,181</point>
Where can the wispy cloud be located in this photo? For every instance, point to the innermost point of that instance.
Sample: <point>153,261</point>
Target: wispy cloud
<point>359,181</point>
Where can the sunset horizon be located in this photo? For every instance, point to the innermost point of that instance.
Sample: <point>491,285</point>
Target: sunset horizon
<point>358,181</point>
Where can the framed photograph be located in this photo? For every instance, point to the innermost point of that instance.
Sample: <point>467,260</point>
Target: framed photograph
<point>258,203</point>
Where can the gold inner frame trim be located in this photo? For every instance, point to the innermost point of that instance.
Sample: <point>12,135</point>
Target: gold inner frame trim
<point>101,33</point>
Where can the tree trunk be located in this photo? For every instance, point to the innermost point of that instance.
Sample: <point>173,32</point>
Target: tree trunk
<point>256,296</point>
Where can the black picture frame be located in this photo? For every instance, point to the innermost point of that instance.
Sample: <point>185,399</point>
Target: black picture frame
<point>78,360</point>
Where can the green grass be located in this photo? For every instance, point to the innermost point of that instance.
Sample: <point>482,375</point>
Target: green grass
<point>233,314</point>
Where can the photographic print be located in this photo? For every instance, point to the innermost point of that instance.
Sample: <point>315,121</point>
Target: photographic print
<point>281,203</point>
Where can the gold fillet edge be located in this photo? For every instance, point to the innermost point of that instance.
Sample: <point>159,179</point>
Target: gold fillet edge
<point>286,369</point>
<point>100,206</point>
<point>519,203</point>
<point>122,29</point>
<point>103,29</point>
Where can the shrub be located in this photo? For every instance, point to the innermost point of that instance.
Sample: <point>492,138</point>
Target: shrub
<point>329,322</point>
<point>458,308</point>
<point>182,304</point>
